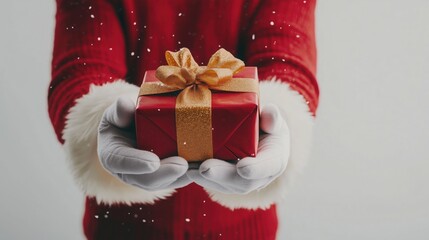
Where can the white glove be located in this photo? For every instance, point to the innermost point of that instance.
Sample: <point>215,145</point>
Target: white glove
<point>250,173</point>
<point>118,155</point>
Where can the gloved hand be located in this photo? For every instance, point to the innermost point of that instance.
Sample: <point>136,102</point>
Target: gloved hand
<point>250,173</point>
<point>118,155</point>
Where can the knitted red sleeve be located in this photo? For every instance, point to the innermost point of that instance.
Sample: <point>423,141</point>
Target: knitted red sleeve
<point>84,54</point>
<point>282,44</point>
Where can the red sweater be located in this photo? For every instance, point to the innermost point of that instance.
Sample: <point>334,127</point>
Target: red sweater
<point>100,41</point>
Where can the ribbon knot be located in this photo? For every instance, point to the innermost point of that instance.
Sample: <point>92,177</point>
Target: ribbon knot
<point>182,71</point>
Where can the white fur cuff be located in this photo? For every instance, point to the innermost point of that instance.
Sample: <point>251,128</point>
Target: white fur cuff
<point>80,135</point>
<point>300,122</point>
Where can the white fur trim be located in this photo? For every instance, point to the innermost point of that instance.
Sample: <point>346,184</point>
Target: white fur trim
<point>80,135</point>
<point>300,121</point>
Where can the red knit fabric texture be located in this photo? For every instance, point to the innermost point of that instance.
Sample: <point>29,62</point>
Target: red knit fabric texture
<point>100,41</point>
<point>188,215</point>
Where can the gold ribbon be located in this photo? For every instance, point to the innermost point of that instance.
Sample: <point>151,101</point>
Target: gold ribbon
<point>193,104</point>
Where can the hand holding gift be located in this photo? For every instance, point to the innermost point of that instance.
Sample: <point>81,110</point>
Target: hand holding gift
<point>210,113</point>
<point>118,155</point>
<point>250,173</point>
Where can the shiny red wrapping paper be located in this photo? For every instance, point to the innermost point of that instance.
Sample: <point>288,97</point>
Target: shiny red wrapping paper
<point>235,121</point>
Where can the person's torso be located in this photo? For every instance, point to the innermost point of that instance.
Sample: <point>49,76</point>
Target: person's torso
<point>150,28</point>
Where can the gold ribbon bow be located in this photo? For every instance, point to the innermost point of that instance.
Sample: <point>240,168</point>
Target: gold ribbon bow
<point>193,104</point>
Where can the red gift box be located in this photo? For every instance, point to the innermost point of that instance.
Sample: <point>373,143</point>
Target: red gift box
<point>234,117</point>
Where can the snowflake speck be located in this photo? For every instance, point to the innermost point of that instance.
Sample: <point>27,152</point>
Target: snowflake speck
<point>274,12</point>
<point>96,216</point>
<point>304,1</point>
<point>99,39</point>
<point>92,16</point>
<point>144,220</point>
<point>132,53</point>
<point>187,220</point>
<point>180,14</point>
<point>101,24</point>
<point>184,143</point>
<point>297,36</point>
<point>253,36</point>
<point>89,7</point>
<point>110,49</point>
<point>136,215</point>
<point>148,50</point>
<point>272,23</point>
<point>106,216</point>
<point>134,23</point>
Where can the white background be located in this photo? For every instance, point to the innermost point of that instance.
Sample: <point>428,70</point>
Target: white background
<point>369,172</point>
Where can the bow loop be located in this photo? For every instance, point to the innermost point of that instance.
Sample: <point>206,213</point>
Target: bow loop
<point>183,58</point>
<point>214,76</point>
<point>224,59</point>
<point>171,76</point>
